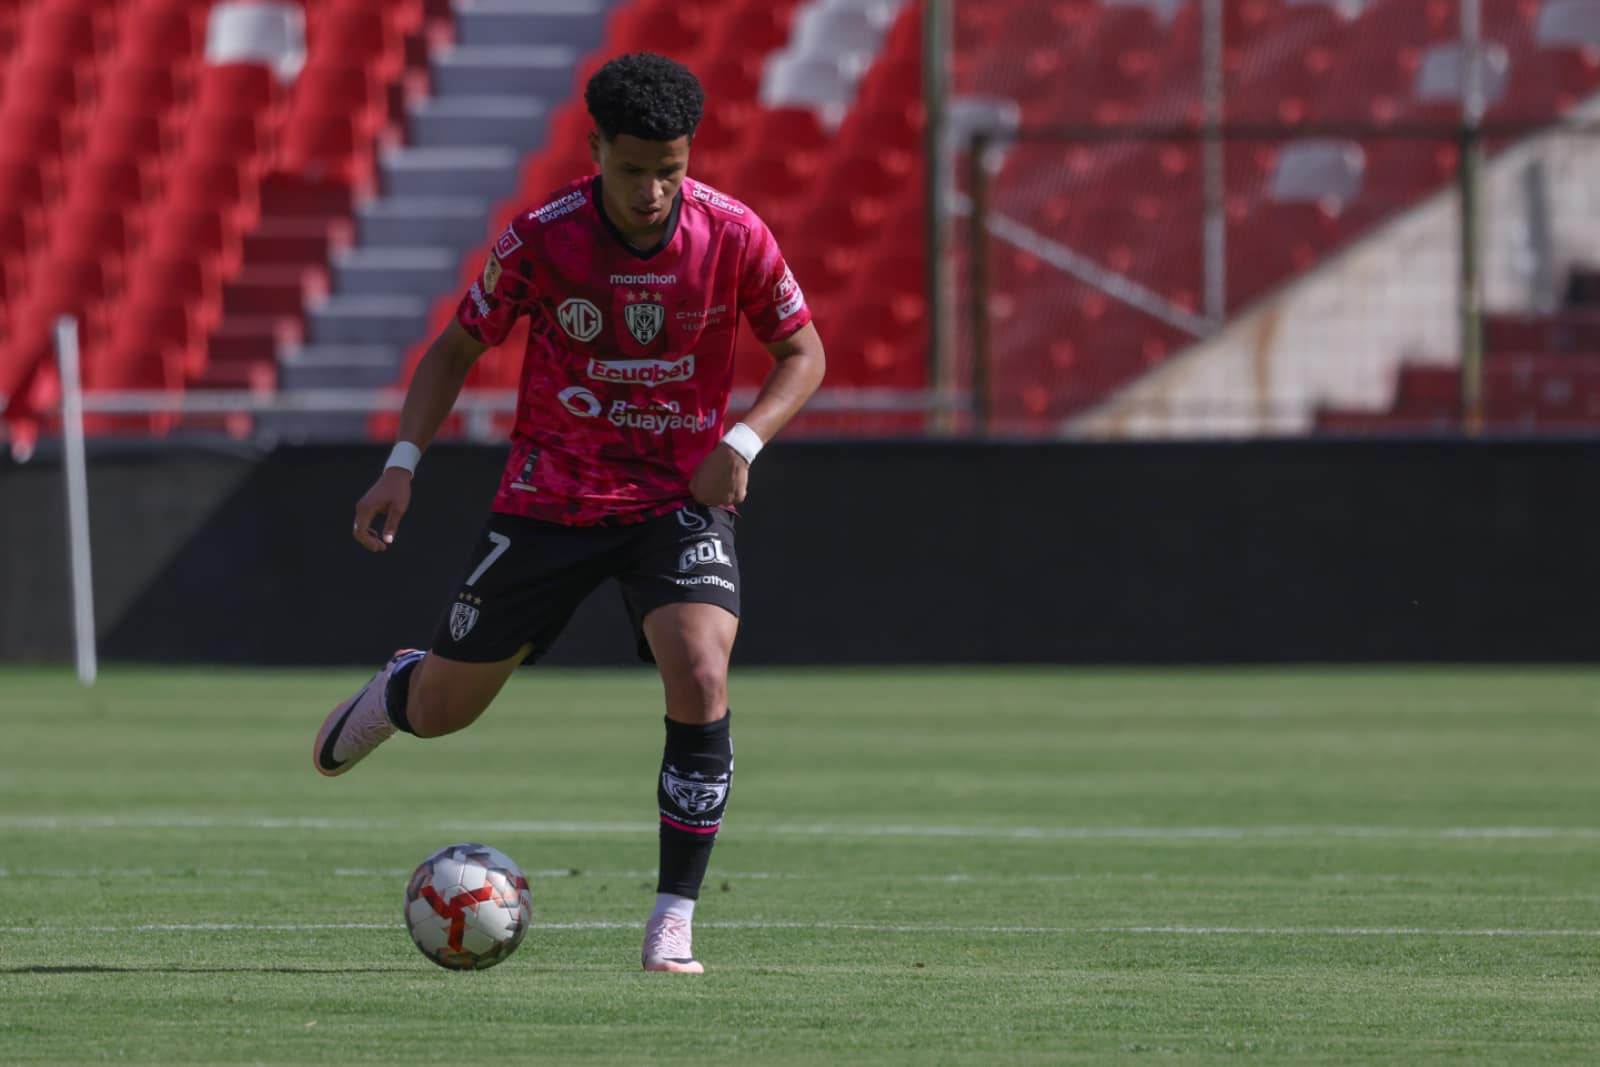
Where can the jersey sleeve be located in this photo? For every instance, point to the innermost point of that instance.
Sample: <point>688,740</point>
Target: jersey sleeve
<point>503,291</point>
<point>768,293</point>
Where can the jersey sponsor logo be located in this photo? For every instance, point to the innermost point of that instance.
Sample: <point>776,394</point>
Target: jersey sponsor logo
<point>706,579</point>
<point>694,793</point>
<point>641,371</point>
<point>785,288</point>
<point>491,274</point>
<point>708,195</point>
<point>659,417</point>
<point>644,320</point>
<point>559,208</point>
<point>476,292</point>
<point>709,315</point>
<point>792,305</point>
<point>702,553</point>
<point>644,279</point>
<point>580,319</point>
<point>463,617</point>
<point>508,243</point>
<point>579,401</point>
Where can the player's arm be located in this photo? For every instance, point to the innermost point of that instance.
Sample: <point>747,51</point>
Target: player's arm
<point>723,477</point>
<point>432,394</point>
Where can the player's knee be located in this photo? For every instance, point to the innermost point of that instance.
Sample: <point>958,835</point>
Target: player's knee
<point>697,691</point>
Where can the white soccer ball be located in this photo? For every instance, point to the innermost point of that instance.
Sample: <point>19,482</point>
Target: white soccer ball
<point>467,907</point>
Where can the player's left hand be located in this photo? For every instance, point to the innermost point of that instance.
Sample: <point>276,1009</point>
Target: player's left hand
<point>721,478</point>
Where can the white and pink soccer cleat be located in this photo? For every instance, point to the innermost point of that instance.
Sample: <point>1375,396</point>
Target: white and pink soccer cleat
<point>359,725</point>
<point>667,945</point>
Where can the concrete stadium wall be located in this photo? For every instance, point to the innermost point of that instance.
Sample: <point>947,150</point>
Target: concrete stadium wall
<point>1338,335</point>
<point>873,553</point>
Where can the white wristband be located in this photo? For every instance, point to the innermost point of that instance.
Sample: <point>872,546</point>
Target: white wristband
<point>405,456</point>
<point>743,440</point>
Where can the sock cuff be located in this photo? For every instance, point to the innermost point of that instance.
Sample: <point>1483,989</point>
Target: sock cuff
<point>695,731</point>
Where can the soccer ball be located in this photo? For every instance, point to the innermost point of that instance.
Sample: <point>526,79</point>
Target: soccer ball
<point>467,907</point>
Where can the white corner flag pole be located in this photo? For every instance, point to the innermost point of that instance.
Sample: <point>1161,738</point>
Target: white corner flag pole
<point>75,468</point>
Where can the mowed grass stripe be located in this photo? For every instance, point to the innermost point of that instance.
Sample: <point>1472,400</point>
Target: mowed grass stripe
<point>949,867</point>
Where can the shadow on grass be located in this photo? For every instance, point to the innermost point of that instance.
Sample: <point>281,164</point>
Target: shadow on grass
<point>158,968</point>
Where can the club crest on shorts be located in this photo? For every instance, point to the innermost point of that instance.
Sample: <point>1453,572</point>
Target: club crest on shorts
<point>463,617</point>
<point>693,518</point>
<point>644,319</point>
<point>693,793</point>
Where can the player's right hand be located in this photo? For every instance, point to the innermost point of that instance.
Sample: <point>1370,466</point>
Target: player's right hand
<point>390,496</point>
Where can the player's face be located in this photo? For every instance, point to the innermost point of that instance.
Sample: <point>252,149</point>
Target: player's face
<point>641,179</point>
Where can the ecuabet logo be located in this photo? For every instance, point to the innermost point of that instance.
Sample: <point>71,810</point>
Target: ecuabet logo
<point>580,319</point>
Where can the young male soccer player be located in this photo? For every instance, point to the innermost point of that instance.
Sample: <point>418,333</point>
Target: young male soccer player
<point>620,467</point>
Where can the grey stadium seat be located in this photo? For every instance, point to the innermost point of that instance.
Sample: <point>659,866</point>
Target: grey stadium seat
<point>824,31</point>
<point>1568,24</point>
<point>1164,10</point>
<point>1346,9</point>
<point>1442,75</point>
<point>1319,171</point>
<point>273,35</point>
<point>806,81</point>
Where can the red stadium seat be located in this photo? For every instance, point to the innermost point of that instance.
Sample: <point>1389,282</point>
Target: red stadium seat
<point>33,135</point>
<point>178,230</point>
<point>166,34</point>
<point>324,146</point>
<point>43,87</point>
<point>345,88</point>
<point>138,85</point>
<point>134,135</point>
<point>223,136</point>
<point>21,182</point>
<point>235,89</point>
<point>62,34</point>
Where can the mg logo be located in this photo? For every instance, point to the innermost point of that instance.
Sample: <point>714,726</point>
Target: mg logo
<point>580,319</point>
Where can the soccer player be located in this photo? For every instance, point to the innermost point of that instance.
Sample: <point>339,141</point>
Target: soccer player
<point>620,466</point>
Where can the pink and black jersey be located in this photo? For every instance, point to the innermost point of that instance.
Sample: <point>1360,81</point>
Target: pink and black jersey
<point>629,364</point>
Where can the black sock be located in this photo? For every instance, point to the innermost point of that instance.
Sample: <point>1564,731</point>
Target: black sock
<point>696,769</point>
<point>397,692</point>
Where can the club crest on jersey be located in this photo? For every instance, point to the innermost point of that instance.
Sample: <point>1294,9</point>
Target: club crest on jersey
<point>463,617</point>
<point>580,319</point>
<point>644,320</point>
<point>693,794</point>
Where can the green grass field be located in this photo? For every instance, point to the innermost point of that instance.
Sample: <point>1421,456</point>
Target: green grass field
<point>928,867</point>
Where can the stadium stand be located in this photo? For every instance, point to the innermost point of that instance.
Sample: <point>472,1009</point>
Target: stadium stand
<point>290,195</point>
<point>1132,209</point>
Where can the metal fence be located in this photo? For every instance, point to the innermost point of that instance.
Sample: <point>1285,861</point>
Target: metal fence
<point>1339,279</point>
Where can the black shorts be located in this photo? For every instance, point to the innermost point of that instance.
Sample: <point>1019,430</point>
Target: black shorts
<point>526,578</point>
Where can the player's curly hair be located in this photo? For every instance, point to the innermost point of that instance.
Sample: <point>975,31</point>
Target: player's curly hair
<point>647,96</point>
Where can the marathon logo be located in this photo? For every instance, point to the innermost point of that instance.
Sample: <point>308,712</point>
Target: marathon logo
<point>708,195</point>
<point>482,305</point>
<point>641,371</point>
<point>557,208</point>
<point>644,279</point>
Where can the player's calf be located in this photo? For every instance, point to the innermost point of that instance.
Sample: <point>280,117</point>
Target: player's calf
<point>692,792</point>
